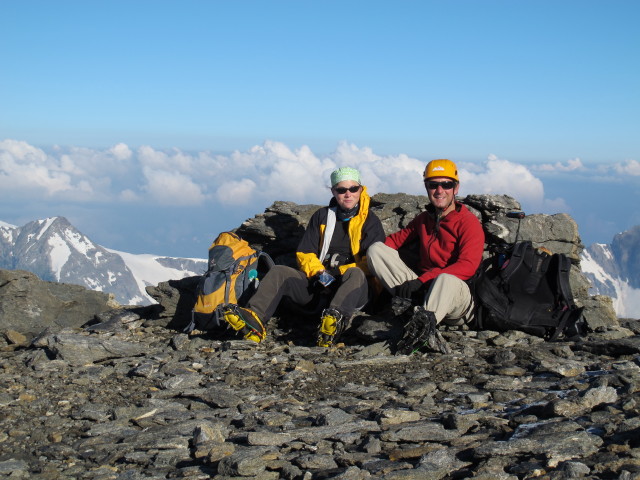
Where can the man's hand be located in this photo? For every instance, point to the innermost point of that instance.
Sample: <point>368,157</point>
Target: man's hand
<point>408,288</point>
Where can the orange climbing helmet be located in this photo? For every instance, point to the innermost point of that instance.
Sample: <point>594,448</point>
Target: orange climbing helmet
<point>441,168</point>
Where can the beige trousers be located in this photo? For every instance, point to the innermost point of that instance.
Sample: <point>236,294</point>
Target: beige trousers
<point>448,297</point>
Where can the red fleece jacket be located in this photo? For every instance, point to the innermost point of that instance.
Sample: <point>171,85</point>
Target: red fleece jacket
<point>455,248</point>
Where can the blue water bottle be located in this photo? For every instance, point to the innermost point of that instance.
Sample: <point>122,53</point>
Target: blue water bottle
<point>253,278</point>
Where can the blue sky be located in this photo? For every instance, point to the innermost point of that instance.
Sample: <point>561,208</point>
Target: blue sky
<point>153,125</point>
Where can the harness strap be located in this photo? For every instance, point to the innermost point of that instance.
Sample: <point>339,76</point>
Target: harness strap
<point>328,232</point>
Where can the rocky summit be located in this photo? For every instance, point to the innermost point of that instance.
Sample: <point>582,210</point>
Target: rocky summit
<point>124,394</point>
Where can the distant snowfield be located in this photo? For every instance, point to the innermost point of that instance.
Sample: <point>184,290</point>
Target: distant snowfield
<point>7,231</point>
<point>60,253</point>
<point>589,265</point>
<point>626,299</point>
<point>147,271</point>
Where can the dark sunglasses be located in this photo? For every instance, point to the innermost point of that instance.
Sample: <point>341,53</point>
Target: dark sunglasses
<point>432,185</point>
<point>343,190</point>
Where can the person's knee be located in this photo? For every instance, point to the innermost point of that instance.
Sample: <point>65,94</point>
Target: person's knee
<point>282,270</point>
<point>446,281</point>
<point>375,249</point>
<point>451,297</point>
<point>447,277</point>
<point>354,274</point>
<point>279,274</point>
<point>375,253</point>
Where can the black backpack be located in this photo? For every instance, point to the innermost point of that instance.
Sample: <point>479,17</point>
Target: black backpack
<point>524,288</point>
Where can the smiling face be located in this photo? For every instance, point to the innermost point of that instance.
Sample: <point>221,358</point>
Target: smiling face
<point>440,197</point>
<point>348,199</point>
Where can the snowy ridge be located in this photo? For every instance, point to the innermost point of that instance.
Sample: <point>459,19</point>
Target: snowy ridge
<point>6,225</point>
<point>148,271</point>
<point>56,251</point>
<point>599,265</point>
<point>6,232</point>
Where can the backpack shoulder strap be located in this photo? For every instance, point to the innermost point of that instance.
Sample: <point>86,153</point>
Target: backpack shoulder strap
<point>564,267</point>
<point>267,258</point>
<point>516,258</point>
<point>328,232</point>
<point>230,271</point>
<point>571,314</point>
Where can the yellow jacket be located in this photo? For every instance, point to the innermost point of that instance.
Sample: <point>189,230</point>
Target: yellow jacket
<point>364,229</point>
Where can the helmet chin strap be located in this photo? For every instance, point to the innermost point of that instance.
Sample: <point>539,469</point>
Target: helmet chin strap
<point>440,211</point>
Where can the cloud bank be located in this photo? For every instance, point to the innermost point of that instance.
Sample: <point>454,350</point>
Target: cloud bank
<point>267,172</point>
<point>174,198</point>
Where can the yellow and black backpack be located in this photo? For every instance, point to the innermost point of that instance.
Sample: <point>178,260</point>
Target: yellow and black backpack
<point>231,277</point>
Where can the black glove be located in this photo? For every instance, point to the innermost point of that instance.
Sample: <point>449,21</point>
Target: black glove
<point>408,288</point>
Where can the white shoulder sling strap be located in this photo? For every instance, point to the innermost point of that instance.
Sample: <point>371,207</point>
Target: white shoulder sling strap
<point>328,232</point>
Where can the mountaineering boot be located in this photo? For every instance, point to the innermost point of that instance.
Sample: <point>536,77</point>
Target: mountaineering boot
<point>244,321</point>
<point>332,324</point>
<point>422,331</point>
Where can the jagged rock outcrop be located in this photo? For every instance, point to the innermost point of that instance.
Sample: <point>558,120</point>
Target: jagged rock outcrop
<point>625,251</point>
<point>279,229</point>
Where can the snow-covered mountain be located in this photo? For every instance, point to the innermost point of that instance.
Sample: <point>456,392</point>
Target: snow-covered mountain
<point>614,271</point>
<point>56,251</point>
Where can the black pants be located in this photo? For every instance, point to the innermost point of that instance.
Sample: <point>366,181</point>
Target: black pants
<point>281,281</point>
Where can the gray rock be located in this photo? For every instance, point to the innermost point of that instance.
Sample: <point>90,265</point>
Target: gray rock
<point>29,305</point>
<point>245,463</point>
<point>78,349</point>
<point>14,468</point>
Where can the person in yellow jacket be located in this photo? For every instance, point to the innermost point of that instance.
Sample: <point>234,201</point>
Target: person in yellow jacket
<point>331,261</point>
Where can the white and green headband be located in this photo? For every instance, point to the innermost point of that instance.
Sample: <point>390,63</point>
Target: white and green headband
<point>344,173</point>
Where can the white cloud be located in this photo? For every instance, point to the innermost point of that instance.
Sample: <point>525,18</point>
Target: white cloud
<point>503,177</point>
<point>629,167</point>
<point>121,151</point>
<point>175,160</point>
<point>299,174</point>
<point>22,151</point>
<point>389,174</point>
<point>75,174</point>
<point>571,166</point>
<point>236,192</point>
<point>99,165</point>
<point>170,188</point>
<point>275,172</point>
<point>24,169</point>
<point>262,174</point>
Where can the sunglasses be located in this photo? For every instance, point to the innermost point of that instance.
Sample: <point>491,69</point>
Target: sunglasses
<point>343,190</point>
<point>432,185</point>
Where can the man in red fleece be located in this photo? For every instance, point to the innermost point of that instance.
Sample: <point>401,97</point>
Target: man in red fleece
<point>450,243</point>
